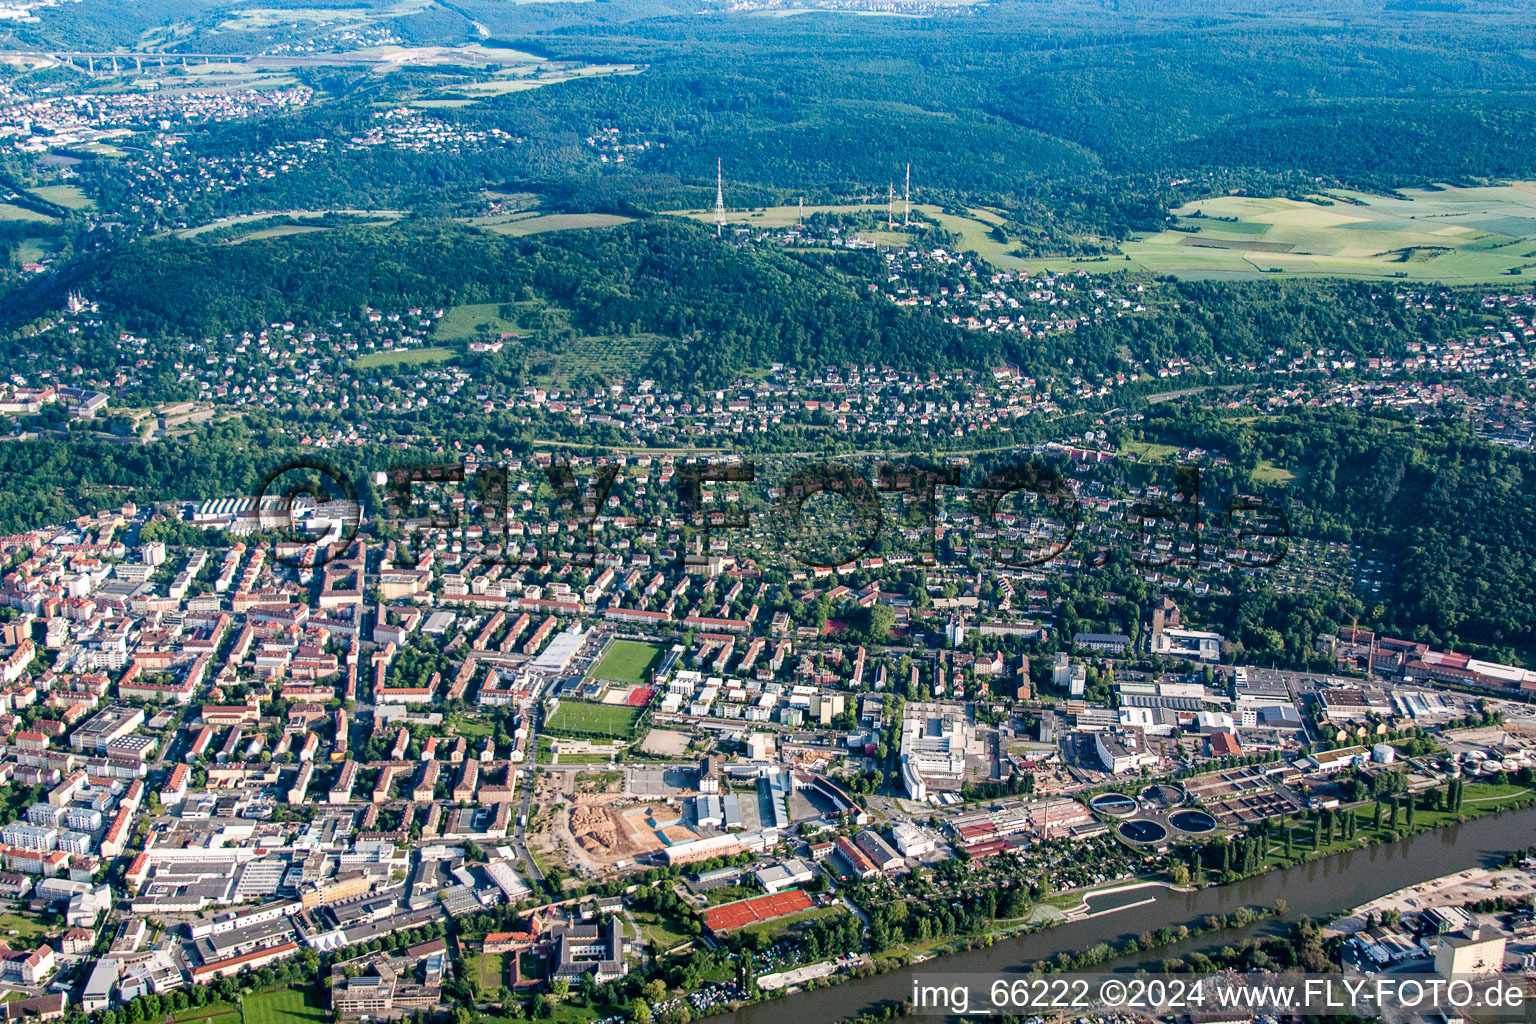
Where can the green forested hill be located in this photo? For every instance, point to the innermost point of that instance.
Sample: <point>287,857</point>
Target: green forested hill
<point>725,309</point>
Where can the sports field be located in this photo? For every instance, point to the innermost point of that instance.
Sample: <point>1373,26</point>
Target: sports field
<point>583,719</point>
<point>284,1006</point>
<point>1456,235</point>
<point>627,661</point>
<point>209,1013</point>
<point>730,916</point>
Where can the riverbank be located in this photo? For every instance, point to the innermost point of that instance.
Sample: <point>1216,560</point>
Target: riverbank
<point>1318,889</point>
<point>1470,886</point>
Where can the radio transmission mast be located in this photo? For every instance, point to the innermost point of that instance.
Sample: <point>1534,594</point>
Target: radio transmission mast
<point>719,200</point>
<point>890,207</point>
<point>906,218</point>
<point>800,221</point>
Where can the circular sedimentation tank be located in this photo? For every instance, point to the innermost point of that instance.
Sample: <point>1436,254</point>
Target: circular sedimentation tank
<point>1194,822</point>
<point>1143,831</point>
<point>1117,804</point>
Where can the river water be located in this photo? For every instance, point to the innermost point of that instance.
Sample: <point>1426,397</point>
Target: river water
<point>1319,889</point>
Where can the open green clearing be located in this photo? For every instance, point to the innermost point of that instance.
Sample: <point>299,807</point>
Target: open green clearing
<point>68,196</point>
<point>279,232</point>
<point>769,929</point>
<point>533,223</point>
<point>521,79</point>
<point>627,661</point>
<point>461,323</point>
<point>1456,235</point>
<point>489,969</point>
<point>585,720</point>
<point>974,231</point>
<point>10,212</point>
<point>407,356</point>
<point>1149,450</point>
<point>1266,472</point>
<point>600,355</point>
<point>24,927</point>
<point>284,1006</point>
<point>378,217</point>
<point>255,19</point>
<point>661,932</point>
<point>209,1013</point>
<point>470,728</point>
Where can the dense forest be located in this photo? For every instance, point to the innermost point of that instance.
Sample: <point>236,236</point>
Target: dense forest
<point>722,310</point>
<point>1079,119</point>
<point>725,309</point>
<point>1451,513</point>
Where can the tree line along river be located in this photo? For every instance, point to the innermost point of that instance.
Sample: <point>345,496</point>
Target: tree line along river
<point>1319,889</point>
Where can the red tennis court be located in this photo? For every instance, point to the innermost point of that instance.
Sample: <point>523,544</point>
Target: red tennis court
<point>730,916</point>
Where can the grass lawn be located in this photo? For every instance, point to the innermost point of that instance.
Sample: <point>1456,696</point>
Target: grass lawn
<point>769,929</point>
<point>24,927</point>
<point>557,222</point>
<point>436,354</point>
<point>566,1012</point>
<point>577,718</point>
<point>1149,450</point>
<point>663,934</point>
<point>627,661</point>
<point>1478,798</point>
<point>730,894</point>
<point>471,728</point>
<point>284,1006</point>
<point>10,212</point>
<point>489,968</point>
<point>211,1013</point>
<point>1267,472</point>
<point>464,322</point>
<point>378,216</point>
<point>281,231</point>
<point>973,231</point>
<point>68,196</point>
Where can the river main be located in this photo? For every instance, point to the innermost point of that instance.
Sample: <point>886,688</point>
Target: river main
<point>1318,889</point>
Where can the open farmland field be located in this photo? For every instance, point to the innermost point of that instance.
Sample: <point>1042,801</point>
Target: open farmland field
<point>594,721</point>
<point>255,19</point>
<point>1455,235</point>
<point>627,661</point>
